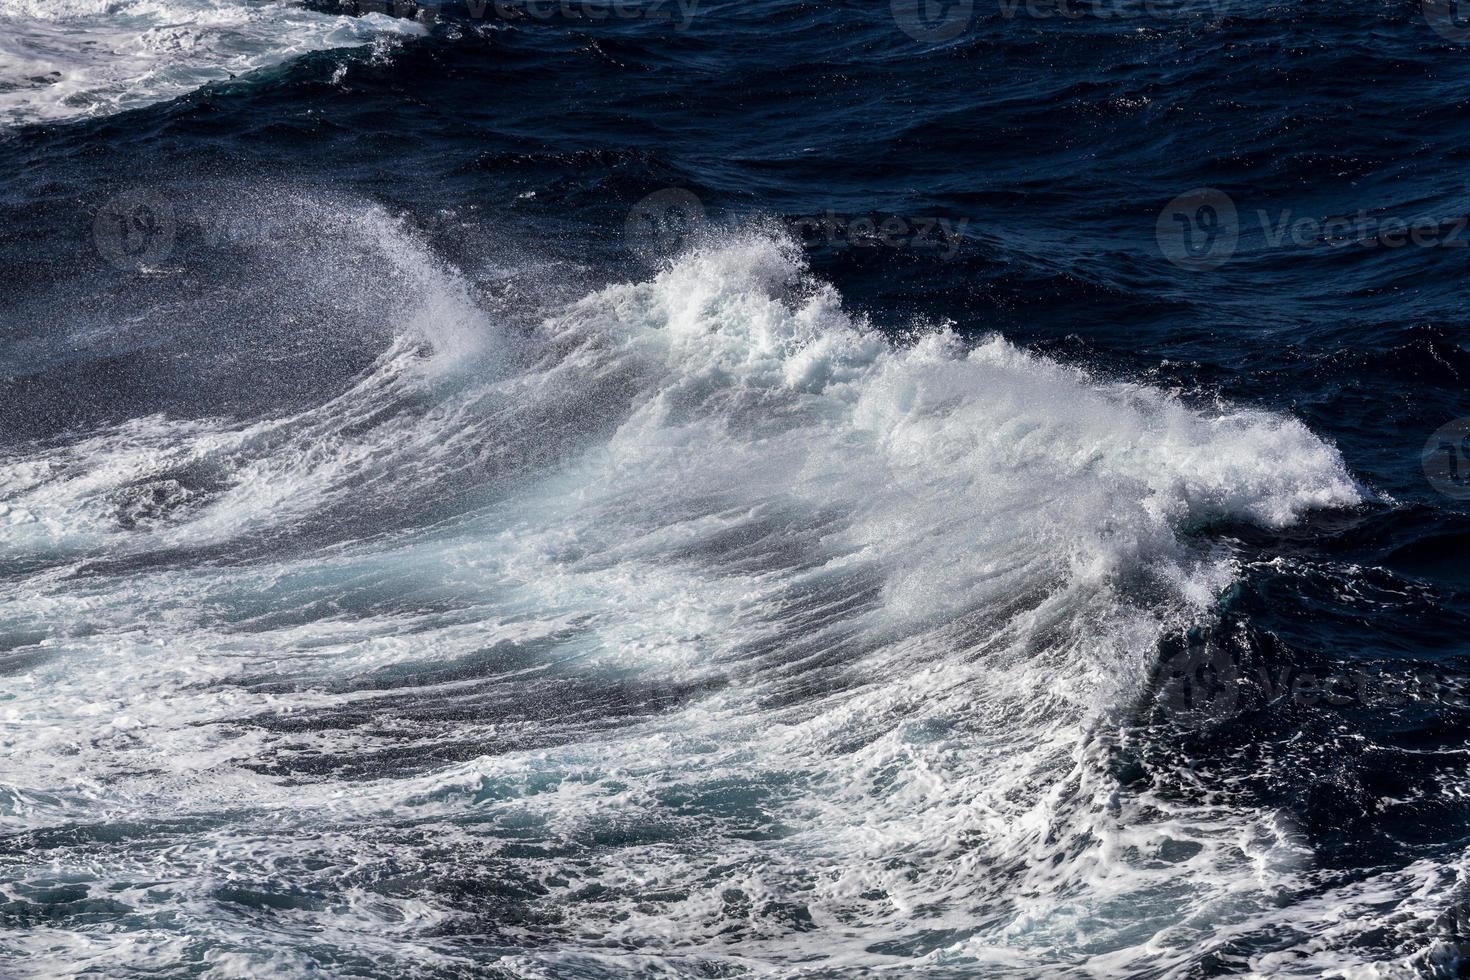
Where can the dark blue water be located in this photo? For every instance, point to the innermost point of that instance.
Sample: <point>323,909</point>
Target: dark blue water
<point>323,734</point>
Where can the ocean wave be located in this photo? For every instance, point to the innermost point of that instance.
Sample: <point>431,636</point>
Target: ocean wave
<point>699,606</point>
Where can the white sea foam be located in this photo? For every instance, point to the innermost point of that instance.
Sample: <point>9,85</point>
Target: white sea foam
<point>897,595</point>
<point>62,59</point>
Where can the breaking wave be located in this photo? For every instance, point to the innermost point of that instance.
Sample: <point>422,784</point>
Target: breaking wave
<point>694,623</point>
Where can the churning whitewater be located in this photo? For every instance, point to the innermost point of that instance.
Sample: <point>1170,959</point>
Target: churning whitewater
<point>685,624</point>
<point>62,59</point>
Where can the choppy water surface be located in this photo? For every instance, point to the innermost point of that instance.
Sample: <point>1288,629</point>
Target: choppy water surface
<point>763,488</point>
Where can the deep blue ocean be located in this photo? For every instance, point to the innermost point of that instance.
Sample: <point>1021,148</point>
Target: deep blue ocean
<point>604,488</point>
